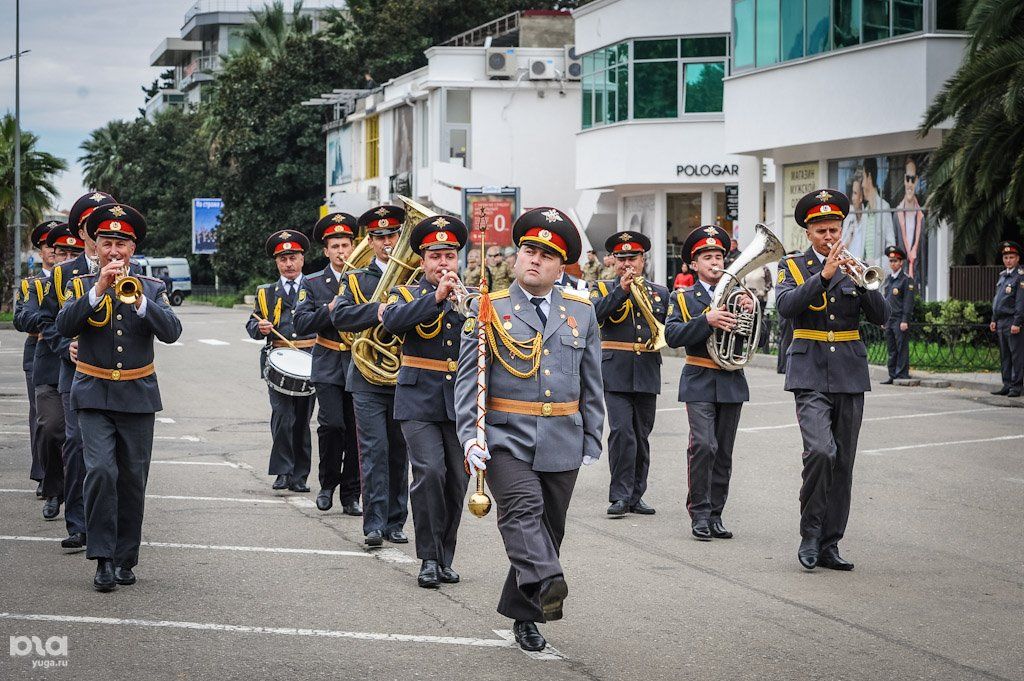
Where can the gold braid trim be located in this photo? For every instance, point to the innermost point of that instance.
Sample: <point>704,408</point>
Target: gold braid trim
<point>427,330</point>
<point>496,332</point>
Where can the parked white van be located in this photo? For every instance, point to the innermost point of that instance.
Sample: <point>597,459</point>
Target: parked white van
<point>174,269</point>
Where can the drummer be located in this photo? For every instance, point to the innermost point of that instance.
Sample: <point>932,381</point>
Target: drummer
<point>275,303</point>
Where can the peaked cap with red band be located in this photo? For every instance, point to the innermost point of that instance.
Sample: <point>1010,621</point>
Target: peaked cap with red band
<point>708,237</point>
<point>119,221</point>
<point>335,225</point>
<point>821,204</point>
<point>1009,247</point>
<point>552,230</point>
<point>84,207</point>
<point>895,250</point>
<point>382,220</point>
<point>437,232</point>
<point>627,244</point>
<point>38,236</point>
<point>61,237</point>
<point>287,241</point>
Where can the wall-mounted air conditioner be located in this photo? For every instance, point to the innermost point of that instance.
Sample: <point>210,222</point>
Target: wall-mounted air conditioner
<point>501,62</point>
<point>573,64</point>
<point>543,69</point>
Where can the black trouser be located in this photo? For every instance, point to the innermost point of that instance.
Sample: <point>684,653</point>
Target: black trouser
<point>785,338</point>
<point>383,461</point>
<point>50,417</point>
<point>1011,354</point>
<point>336,436</point>
<point>830,425</point>
<point>439,482</point>
<point>292,451</point>
<point>74,469</point>
<point>531,519</point>
<point>898,344</point>
<point>709,456</point>
<point>36,471</point>
<point>630,421</point>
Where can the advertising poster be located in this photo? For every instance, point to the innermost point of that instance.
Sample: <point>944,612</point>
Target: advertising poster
<point>205,218</point>
<point>494,209</point>
<point>797,180</point>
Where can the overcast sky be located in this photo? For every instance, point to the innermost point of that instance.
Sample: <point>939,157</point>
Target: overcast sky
<point>88,61</point>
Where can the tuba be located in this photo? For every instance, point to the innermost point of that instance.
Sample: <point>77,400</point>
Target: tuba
<point>642,301</point>
<point>376,352</point>
<point>732,350</point>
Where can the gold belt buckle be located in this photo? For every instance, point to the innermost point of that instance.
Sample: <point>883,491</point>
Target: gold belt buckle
<point>831,335</point>
<point>115,375</point>
<point>545,409</point>
<point>452,365</point>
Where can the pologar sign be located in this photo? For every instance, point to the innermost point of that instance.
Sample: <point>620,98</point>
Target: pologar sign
<point>707,169</point>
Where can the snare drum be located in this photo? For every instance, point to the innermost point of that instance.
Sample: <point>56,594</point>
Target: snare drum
<point>288,372</point>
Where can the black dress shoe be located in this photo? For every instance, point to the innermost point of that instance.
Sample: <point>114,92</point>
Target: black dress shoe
<point>124,575</point>
<point>298,486</point>
<point>51,509</point>
<point>325,499</point>
<point>74,542</point>
<point>830,558</point>
<point>280,482</point>
<point>397,537</point>
<point>1002,391</point>
<point>617,509</point>
<point>352,508</point>
<point>808,552</point>
<point>429,577</point>
<point>39,490</point>
<point>887,381</point>
<point>642,508</point>
<point>718,530</point>
<point>701,530</point>
<point>449,576</point>
<point>374,538</point>
<point>552,592</point>
<point>528,637</point>
<point>1013,393</point>
<point>104,579</point>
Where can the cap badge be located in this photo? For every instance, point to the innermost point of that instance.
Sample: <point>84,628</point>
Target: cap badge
<point>823,196</point>
<point>627,247</point>
<point>441,222</point>
<point>626,236</point>
<point>826,208</point>
<point>383,222</point>
<point>710,242</point>
<point>286,235</point>
<point>544,234</point>
<point>98,196</point>
<point>51,224</point>
<point>115,226</point>
<point>117,211</point>
<point>72,241</point>
<point>552,215</point>
<point>338,217</point>
<point>710,230</point>
<point>442,236</point>
<point>287,246</point>
<point>382,211</point>
<point>338,228</point>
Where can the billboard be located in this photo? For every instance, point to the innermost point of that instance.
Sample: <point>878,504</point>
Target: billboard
<point>205,218</point>
<point>493,209</point>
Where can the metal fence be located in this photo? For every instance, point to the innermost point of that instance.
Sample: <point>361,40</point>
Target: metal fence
<point>974,282</point>
<point>214,294</point>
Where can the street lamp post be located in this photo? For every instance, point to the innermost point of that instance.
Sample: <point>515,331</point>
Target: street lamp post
<point>17,140</point>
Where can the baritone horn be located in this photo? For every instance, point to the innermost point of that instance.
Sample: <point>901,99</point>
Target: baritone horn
<point>127,288</point>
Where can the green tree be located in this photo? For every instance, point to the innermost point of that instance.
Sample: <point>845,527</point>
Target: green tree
<point>106,160</point>
<point>977,173</point>
<point>268,35</point>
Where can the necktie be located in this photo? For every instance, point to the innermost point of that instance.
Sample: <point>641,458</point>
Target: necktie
<point>291,291</point>
<point>540,313</point>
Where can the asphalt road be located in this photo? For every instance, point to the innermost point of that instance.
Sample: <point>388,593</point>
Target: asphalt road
<point>239,581</point>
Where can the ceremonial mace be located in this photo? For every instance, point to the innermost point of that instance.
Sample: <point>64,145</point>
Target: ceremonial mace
<point>479,502</point>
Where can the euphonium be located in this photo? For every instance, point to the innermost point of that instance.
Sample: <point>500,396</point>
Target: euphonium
<point>733,349</point>
<point>638,292</point>
<point>127,288</point>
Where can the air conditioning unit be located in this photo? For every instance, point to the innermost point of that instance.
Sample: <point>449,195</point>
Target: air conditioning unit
<point>501,62</point>
<point>573,64</point>
<point>373,193</point>
<point>543,69</point>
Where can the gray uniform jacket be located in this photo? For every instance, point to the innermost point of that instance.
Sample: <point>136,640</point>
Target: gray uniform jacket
<point>26,319</point>
<point>113,336</point>
<point>570,369</point>
<point>812,303</point>
<point>1009,299</point>
<point>413,313</point>
<point>354,313</point>
<point>899,294</point>
<point>313,317</point>
<point>272,304</point>
<point>688,326</point>
<point>628,372</point>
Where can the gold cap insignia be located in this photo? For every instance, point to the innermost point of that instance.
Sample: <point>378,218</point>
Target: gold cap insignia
<point>626,236</point>
<point>442,236</point>
<point>72,241</point>
<point>338,228</point>
<point>552,215</point>
<point>286,235</point>
<point>117,211</point>
<point>823,196</point>
<point>382,222</point>
<point>710,242</point>
<point>338,217</point>
<point>382,211</point>
<point>826,208</point>
<point>98,196</point>
<point>441,222</point>
<point>710,230</point>
<point>115,226</point>
<point>287,246</point>
<point>544,234</point>
<point>627,247</point>
<point>52,224</point>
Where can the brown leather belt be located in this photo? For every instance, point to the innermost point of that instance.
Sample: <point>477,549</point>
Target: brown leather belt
<point>115,374</point>
<point>305,343</point>
<point>703,362</point>
<point>331,344</point>
<point>533,408</point>
<point>37,336</point>
<point>628,347</point>
<point>430,364</point>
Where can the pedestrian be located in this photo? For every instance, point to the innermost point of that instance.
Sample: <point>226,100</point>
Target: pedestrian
<point>591,268</point>
<point>1008,318</point>
<point>899,293</point>
<point>684,278</point>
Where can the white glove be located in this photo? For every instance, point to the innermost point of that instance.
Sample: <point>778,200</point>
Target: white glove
<point>475,456</point>
<point>588,460</point>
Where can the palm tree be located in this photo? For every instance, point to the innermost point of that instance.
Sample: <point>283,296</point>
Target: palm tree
<point>977,175</point>
<point>271,29</point>
<point>103,160</point>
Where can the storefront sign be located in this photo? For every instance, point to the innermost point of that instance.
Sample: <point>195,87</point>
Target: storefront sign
<point>797,180</point>
<point>732,202</point>
<point>707,169</point>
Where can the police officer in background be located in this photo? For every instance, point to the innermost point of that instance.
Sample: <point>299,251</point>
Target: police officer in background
<point>899,293</point>
<point>827,371</point>
<point>713,397</point>
<point>591,269</point>
<point>336,432</point>
<point>631,367</point>
<point>424,316</point>
<point>291,454</point>
<point>544,414</point>
<point>1008,318</point>
<point>115,390</point>
<point>499,274</point>
<point>383,457</point>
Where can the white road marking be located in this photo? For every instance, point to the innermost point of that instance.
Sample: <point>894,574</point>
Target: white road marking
<point>183,438</point>
<point>1017,480</point>
<point>14,432</point>
<point>177,497</point>
<point>13,399</point>
<point>775,403</point>
<point>174,344</point>
<point>213,341</point>
<point>882,418</point>
<point>164,419</point>
<point>301,502</point>
<point>548,653</point>
<point>254,341</point>
<point>943,444</point>
<point>228,464</point>
<point>280,631</point>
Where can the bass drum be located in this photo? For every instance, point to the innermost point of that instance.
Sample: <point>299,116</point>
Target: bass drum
<point>288,372</point>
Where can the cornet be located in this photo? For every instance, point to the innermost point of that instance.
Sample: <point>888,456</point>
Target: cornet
<point>864,275</point>
<point>127,288</point>
<point>461,297</point>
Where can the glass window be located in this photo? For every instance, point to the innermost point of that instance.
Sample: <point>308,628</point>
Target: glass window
<point>876,20</point>
<point>655,89</point>
<point>610,97</point>
<point>656,49</point>
<point>743,34</point>
<point>767,33</point>
<point>458,145</point>
<point>819,22</point>
<point>372,131</point>
<point>704,87</point>
<point>704,47</point>
<point>846,31</point>
<point>722,213</point>
<point>907,16</point>
<point>792,17</point>
<point>947,15</point>
<point>622,78</point>
<point>457,110</point>
<point>599,99</point>
<point>588,64</point>
<point>588,101</point>
<point>424,116</point>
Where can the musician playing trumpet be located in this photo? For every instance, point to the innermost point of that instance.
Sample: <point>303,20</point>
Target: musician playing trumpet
<point>426,316</point>
<point>631,367</point>
<point>713,396</point>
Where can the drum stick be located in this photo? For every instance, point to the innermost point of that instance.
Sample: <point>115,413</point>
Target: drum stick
<point>276,332</point>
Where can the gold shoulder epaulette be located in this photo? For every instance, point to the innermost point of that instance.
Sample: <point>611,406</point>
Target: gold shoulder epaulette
<point>499,294</point>
<point>573,295</point>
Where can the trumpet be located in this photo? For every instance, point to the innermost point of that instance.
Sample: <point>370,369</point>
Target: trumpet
<point>127,288</point>
<point>638,292</point>
<point>461,297</point>
<point>864,275</point>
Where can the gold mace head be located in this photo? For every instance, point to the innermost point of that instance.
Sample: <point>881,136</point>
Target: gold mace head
<point>479,504</point>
